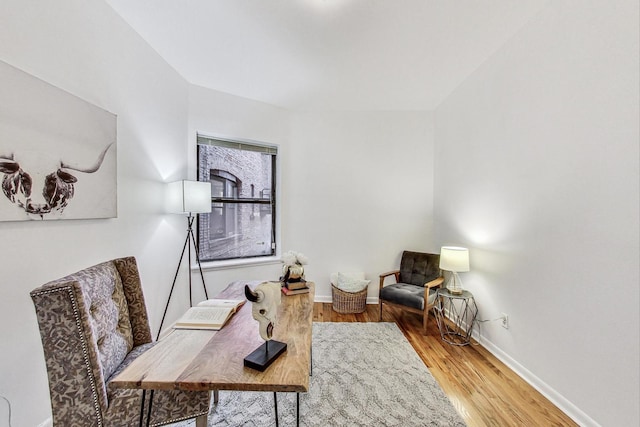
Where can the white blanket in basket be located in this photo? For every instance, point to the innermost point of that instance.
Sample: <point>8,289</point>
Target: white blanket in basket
<point>349,282</point>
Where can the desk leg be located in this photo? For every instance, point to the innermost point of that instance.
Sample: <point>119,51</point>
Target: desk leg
<point>275,406</point>
<point>144,395</point>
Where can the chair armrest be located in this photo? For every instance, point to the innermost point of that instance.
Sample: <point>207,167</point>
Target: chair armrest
<point>434,283</point>
<point>387,274</point>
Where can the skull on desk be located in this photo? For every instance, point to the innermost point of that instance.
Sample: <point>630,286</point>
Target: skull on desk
<point>265,300</point>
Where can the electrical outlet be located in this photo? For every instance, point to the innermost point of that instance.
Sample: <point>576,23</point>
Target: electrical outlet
<point>505,320</point>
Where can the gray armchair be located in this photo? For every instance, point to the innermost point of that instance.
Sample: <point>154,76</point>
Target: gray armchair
<point>93,324</point>
<point>417,280</point>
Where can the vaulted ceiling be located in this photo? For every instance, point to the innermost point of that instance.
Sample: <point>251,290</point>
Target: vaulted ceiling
<point>329,54</point>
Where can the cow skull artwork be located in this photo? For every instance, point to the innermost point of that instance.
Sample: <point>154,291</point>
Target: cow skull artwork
<point>265,299</point>
<point>264,308</point>
<point>57,189</point>
<point>58,157</point>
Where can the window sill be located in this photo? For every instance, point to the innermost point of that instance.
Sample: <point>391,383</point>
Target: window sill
<point>237,263</point>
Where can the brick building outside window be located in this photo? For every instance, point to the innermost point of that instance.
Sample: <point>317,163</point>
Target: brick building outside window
<point>242,219</point>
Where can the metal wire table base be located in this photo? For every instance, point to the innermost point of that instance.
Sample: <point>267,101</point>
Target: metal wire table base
<point>455,315</point>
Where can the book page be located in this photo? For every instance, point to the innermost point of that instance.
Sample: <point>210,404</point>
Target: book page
<point>230,303</point>
<point>204,317</point>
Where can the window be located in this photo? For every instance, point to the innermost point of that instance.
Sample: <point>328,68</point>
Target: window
<point>242,222</point>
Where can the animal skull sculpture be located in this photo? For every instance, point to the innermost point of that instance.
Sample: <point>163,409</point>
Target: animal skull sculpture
<point>265,300</point>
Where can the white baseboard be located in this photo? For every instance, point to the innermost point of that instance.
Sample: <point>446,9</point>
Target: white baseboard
<point>572,411</point>
<point>328,299</point>
<point>547,391</point>
<point>322,298</point>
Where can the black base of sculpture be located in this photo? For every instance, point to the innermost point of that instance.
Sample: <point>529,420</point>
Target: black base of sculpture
<point>263,356</point>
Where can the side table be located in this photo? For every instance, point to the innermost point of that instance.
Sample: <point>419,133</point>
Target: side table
<point>455,315</point>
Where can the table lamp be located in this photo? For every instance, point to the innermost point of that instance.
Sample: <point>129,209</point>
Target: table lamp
<point>454,259</point>
<point>188,197</point>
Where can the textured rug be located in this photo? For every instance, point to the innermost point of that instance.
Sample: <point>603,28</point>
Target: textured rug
<point>364,374</point>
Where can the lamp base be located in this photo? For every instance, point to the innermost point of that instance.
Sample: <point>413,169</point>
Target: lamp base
<point>455,288</point>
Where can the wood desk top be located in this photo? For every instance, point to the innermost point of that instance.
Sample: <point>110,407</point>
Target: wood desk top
<point>188,359</point>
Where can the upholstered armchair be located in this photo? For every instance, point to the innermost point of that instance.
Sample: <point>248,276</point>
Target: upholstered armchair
<point>93,324</point>
<point>417,280</point>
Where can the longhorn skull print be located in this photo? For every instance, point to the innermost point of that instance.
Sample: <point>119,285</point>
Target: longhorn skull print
<point>58,187</point>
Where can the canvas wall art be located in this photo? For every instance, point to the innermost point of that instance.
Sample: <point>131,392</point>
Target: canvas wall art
<point>57,152</point>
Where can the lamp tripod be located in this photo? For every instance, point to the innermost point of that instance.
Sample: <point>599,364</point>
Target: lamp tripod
<point>190,239</point>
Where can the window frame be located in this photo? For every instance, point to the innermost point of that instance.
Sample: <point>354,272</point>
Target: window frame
<point>273,201</point>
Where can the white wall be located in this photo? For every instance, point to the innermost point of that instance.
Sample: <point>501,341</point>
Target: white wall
<point>84,48</point>
<point>357,190</point>
<point>355,187</point>
<point>537,172</point>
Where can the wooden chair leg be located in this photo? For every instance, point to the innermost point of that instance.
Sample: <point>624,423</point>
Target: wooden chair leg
<point>425,320</point>
<point>380,311</point>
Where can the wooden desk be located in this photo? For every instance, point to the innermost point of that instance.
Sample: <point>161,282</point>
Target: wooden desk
<point>214,360</point>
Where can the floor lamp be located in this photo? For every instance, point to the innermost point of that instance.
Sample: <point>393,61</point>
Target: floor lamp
<point>188,197</point>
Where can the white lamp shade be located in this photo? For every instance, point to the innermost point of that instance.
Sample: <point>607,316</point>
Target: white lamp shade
<point>189,197</point>
<point>453,258</point>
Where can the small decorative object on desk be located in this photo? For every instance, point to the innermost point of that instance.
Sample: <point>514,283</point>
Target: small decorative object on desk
<point>265,299</point>
<point>288,291</point>
<point>293,270</point>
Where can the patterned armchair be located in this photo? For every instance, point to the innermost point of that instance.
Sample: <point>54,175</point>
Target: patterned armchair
<point>417,280</point>
<point>93,324</point>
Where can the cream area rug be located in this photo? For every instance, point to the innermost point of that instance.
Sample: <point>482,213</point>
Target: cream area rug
<point>364,374</point>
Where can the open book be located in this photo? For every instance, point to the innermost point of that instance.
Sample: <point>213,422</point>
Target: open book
<point>210,314</point>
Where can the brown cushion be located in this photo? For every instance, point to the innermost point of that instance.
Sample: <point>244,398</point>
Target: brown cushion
<point>418,268</point>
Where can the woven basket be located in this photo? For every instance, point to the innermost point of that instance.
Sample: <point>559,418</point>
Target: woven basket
<point>349,302</point>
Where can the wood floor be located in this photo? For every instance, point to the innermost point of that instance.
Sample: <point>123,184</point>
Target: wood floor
<point>484,391</point>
